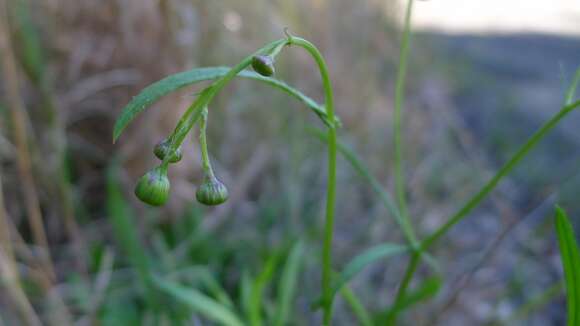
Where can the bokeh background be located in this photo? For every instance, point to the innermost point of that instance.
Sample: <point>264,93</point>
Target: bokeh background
<point>482,77</point>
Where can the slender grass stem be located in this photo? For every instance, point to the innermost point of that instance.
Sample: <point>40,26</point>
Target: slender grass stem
<point>507,168</point>
<point>409,273</point>
<point>482,194</point>
<point>331,184</point>
<point>399,103</point>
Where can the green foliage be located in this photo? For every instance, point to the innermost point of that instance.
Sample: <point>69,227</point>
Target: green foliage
<point>253,294</point>
<point>155,91</point>
<point>362,260</point>
<point>571,262</point>
<point>199,302</point>
<point>121,217</point>
<point>29,47</point>
<point>426,290</point>
<point>288,284</point>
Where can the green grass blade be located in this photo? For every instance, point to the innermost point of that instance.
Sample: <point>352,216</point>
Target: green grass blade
<point>199,302</point>
<point>571,92</point>
<point>361,313</point>
<point>534,303</point>
<point>288,282</point>
<point>398,113</point>
<point>215,288</point>
<point>120,216</point>
<point>257,291</point>
<point>246,292</point>
<point>28,45</point>
<point>571,262</point>
<point>155,91</point>
<point>206,279</point>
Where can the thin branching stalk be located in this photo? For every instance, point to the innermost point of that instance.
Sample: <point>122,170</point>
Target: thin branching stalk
<point>482,194</point>
<point>397,124</point>
<point>506,169</point>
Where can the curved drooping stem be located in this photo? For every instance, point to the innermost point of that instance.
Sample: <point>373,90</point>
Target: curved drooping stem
<point>206,165</point>
<point>331,184</point>
<point>195,111</point>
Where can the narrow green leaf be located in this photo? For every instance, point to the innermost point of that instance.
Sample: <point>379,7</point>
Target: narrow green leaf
<point>571,92</point>
<point>204,276</point>
<point>121,216</point>
<point>534,303</point>
<point>358,263</point>
<point>155,91</point>
<point>257,291</point>
<point>246,292</point>
<point>28,45</point>
<point>199,302</point>
<point>571,262</point>
<point>364,259</point>
<point>287,286</point>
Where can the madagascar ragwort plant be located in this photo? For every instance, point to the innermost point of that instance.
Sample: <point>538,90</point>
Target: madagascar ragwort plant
<point>154,188</point>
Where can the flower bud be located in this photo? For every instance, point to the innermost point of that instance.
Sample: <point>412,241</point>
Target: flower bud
<point>162,149</point>
<point>212,192</point>
<point>153,187</point>
<point>263,64</point>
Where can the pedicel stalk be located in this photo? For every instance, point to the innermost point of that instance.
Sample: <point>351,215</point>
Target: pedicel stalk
<point>153,188</point>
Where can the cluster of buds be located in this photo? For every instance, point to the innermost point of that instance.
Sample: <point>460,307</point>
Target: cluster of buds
<point>153,188</point>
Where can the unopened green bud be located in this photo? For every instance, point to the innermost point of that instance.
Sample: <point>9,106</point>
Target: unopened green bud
<point>163,148</point>
<point>263,64</point>
<point>153,187</point>
<point>212,192</point>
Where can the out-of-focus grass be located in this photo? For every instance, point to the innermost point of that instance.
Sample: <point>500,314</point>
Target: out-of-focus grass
<point>257,257</point>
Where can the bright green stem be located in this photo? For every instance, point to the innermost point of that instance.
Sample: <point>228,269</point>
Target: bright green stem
<point>399,102</point>
<point>411,269</point>
<point>206,165</point>
<point>507,168</point>
<point>194,112</point>
<point>478,197</point>
<point>331,185</point>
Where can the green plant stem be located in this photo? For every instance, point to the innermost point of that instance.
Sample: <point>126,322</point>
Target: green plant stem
<point>536,302</point>
<point>507,168</point>
<point>479,196</point>
<point>194,112</point>
<point>399,102</point>
<point>409,273</point>
<point>331,184</point>
<point>206,165</point>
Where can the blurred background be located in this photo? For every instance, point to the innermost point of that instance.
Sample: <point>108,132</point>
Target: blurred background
<point>482,77</point>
